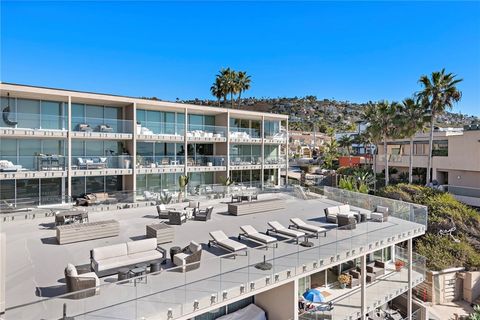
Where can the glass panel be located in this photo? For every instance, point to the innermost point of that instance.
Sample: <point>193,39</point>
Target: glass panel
<point>94,116</point>
<point>169,123</point>
<point>78,187</point>
<point>113,183</point>
<point>28,113</point>
<point>112,114</point>
<point>141,116</point>
<point>95,184</point>
<point>8,150</point>
<point>7,189</point>
<point>78,115</point>
<point>52,115</point>
<point>28,149</point>
<point>28,189</point>
<point>51,191</point>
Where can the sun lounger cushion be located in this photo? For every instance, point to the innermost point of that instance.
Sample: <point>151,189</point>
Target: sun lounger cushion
<point>112,251</point>
<point>282,230</point>
<point>305,226</point>
<point>252,233</point>
<point>222,240</point>
<point>141,245</point>
<point>332,211</point>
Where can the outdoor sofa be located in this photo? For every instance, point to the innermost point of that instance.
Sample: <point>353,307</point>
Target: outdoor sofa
<point>332,213</point>
<point>107,260</point>
<point>376,267</point>
<point>96,198</point>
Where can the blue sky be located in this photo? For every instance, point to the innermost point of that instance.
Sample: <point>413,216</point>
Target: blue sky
<point>356,51</point>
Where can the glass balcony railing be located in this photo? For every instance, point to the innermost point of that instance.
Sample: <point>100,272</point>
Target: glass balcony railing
<point>207,161</point>
<point>244,133</point>
<point>245,160</point>
<point>274,160</point>
<point>33,163</point>
<point>160,128</point>
<point>205,132</point>
<point>33,121</point>
<point>101,162</point>
<point>159,161</point>
<point>104,125</point>
<point>279,135</point>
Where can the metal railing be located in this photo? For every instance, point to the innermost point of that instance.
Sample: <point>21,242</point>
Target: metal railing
<point>159,161</point>
<point>161,128</point>
<point>207,161</point>
<point>243,160</point>
<point>205,131</point>
<point>54,162</point>
<point>101,162</point>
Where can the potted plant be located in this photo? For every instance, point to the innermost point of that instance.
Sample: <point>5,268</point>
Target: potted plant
<point>399,265</point>
<point>182,183</point>
<point>344,280</point>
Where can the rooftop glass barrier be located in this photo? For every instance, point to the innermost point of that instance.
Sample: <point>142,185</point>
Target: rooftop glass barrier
<point>162,128</point>
<point>34,121</point>
<point>180,291</point>
<point>103,125</point>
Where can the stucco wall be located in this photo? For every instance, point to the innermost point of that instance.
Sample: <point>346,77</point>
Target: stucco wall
<point>471,286</point>
<point>279,303</point>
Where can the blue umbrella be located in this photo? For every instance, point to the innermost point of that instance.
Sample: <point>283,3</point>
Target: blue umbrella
<point>314,295</point>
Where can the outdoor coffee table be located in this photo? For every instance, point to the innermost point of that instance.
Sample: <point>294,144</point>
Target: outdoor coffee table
<point>138,271</point>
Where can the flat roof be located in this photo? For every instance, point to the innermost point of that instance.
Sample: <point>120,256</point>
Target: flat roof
<point>30,91</point>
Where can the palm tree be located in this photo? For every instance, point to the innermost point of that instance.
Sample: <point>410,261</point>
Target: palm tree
<point>439,93</point>
<point>412,118</point>
<point>243,84</point>
<point>346,141</point>
<point>380,117</point>
<point>217,90</point>
<point>226,79</point>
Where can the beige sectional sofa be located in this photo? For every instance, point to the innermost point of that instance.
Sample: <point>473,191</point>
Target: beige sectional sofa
<point>107,260</point>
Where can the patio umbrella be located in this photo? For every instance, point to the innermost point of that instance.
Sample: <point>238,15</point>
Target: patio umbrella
<point>314,295</point>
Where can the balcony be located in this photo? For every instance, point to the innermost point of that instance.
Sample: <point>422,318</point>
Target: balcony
<point>201,163</point>
<point>245,135</point>
<point>218,280</point>
<point>160,164</point>
<point>95,128</point>
<point>101,165</point>
<point>245,162</point>
<point>274,162</point>
<point>204,133</point>
<point>34,125</point>
<point>25,167</point>
<point>279,137</point>
<point>161,131</point>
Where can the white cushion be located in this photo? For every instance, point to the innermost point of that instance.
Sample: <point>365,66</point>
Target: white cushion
<point>376,216</point>
<point>344,208</point>
<point>232,245</point>
<point>333,211</point>
<point>179,259</point>
<point>144,256</point>
<point>114,262</point>
<point>248,229</point>
<point>141,245</point>
<point>71,270</point>
<point>382,209</point>
<point>194,247</point>
<point>276,225</point>
<point>218,235</point>
<point>116,250</point>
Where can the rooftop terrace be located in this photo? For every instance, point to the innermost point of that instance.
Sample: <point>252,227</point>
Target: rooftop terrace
<point>35,262</point>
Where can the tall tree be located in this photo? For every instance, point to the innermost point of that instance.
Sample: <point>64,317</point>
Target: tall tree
<point>412,118</point>
<point>380,117</point>
<point>439,93</point>
<point>243,84</point>
<point>217,90</point>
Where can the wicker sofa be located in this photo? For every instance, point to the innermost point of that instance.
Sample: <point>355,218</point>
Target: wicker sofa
<point>332,213</point>
<point>96,198</point>
<point>107,260</point>
<point>376,267</point>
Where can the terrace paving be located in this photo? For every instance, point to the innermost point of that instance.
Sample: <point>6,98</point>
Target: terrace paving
<point>35,262</point>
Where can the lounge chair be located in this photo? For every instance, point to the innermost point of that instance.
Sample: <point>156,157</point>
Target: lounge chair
<point>251,233</point>
<point>203,215</point>
<point>299,224</point>
<point>189,255</point>
<point>220,239</point>
<point>380,214</point>
<point>278,228</point>
<point>163,211</point>
<point>176,218</point>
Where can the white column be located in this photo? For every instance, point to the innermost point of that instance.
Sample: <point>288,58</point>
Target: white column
<point>69,148</point>
<point>295,308</point>
<point>185,144</point>
<point>286,155</point>
<point>363,285</point>
<point>228,145</point>
<point>133,160</point>
<point>262,173</point>
<point>409,292</point>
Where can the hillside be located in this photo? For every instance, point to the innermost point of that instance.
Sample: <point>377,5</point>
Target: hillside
<point>462,247</point>
<point>307,111</point>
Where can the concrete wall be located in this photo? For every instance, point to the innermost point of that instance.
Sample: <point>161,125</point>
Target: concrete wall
<point>3,265</point>
<point>471,286</point>
<point>279,303</point>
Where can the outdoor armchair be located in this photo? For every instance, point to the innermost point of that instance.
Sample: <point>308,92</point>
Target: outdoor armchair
<point>80,281</point>
<point>189,255</point>
<point>204,215</point>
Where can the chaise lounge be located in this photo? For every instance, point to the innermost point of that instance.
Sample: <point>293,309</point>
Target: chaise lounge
<point>278,228</point>
<point>221,240</point>
<point>251,233</point>
<point>299,224</point>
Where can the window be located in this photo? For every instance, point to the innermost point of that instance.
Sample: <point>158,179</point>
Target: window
<point>440,148</point>
<point>52,115</point>
<point>7,190</point>
<point>28,113</point>
<point>28,190</point>
<point>51,191</point>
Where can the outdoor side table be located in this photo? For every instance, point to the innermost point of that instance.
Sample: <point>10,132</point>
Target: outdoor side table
<point>137,272</point>
<point>155,266</point>
<point>174,251</point>
<point>123,274</point>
